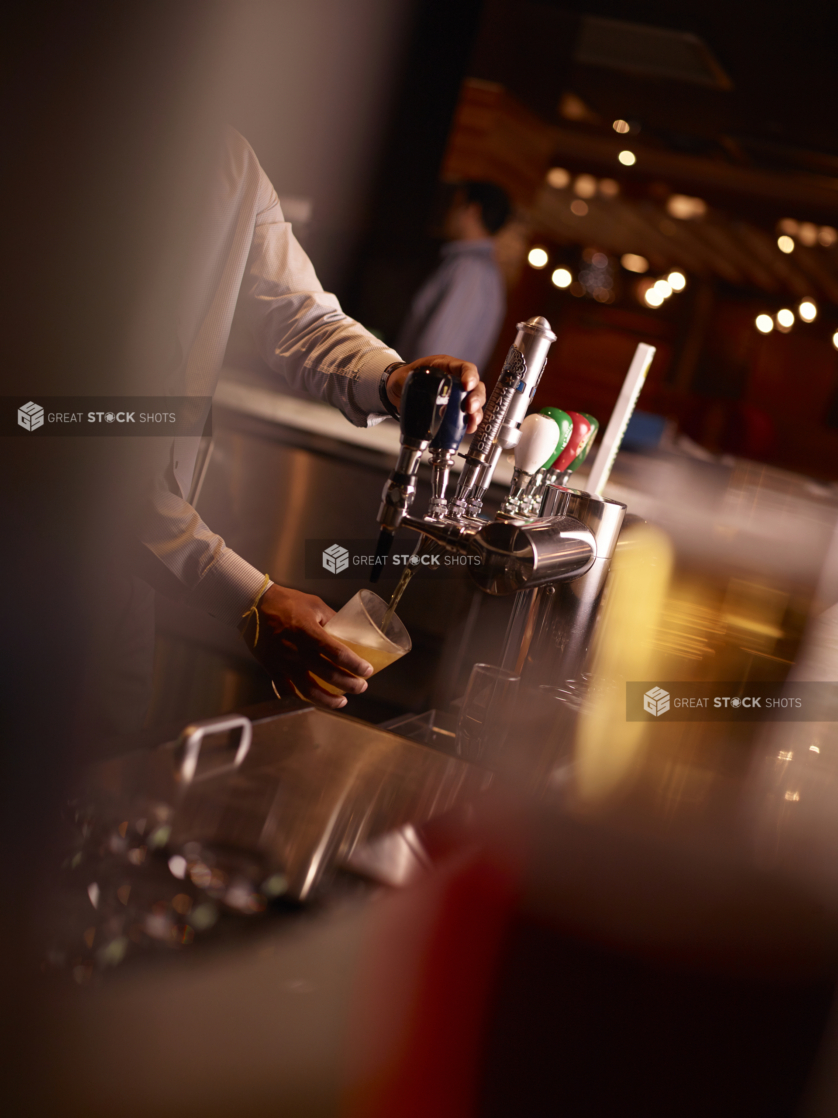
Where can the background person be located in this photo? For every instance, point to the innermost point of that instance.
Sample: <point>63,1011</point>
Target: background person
<point>461,306</point>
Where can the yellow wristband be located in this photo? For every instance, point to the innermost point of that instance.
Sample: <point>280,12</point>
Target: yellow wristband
<point>255,608</point>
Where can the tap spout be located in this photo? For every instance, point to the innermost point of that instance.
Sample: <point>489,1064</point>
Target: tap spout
<point>504,557</point>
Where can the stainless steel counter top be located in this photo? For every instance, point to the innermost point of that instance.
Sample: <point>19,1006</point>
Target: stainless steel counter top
<point>314,788</point>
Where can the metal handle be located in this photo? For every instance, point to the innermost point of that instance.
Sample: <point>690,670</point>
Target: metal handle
<point>192,738</point>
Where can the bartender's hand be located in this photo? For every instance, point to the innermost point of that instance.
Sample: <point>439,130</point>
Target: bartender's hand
<point>467,372</point>
<point>292,643</point>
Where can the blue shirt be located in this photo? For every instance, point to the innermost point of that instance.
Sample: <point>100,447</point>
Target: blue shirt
<point>460,308</point>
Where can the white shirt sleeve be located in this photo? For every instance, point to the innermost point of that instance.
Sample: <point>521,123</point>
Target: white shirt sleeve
<point>300,330</point>
<point>305,337</point>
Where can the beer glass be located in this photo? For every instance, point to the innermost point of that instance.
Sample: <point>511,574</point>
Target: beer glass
<point>358,626</point>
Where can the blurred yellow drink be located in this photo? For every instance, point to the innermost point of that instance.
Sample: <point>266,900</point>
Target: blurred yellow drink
<point>358,627</point>
<point>378,657</point>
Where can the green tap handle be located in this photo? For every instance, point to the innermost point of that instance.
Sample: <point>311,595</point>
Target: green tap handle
<point>565,424</point>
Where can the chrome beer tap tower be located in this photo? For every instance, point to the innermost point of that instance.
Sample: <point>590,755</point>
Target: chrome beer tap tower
<point>549,544</point>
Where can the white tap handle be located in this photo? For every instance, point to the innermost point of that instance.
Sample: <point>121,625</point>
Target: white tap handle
<point>539,435</point>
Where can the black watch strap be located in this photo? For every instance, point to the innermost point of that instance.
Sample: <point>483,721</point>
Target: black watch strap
<point>386,404</point>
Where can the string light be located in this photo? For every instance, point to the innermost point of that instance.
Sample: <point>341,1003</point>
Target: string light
<point>653,297</point>
<point>808,234</point>
<point>785,244</point>
<point>585,186</point>
<point>808,310</point>
<point>537,258</point>
<point>764,323</point>
<point>685,207</point>
<point>677,281</point>
<point>561,278</point>
<point>663,289</point>
<point>627,158</point>
<point>558,178</point>
<point>785,319</point>
<point>621,126</point>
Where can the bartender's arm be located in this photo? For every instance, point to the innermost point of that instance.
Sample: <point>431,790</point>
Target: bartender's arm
<point>304,336</point>
<point>291,639</point>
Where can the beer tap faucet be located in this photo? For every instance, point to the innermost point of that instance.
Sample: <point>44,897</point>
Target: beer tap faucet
<point>500,427</point>
<point>539,437</point>
<point>424,401</point>
<point>529,505</point>
<point>444,446</point>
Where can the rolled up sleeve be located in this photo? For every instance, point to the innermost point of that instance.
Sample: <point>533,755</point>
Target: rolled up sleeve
<point>300,330</point>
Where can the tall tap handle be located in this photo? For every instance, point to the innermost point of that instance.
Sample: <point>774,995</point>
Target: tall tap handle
<point>565,431</point>
<point>589,442</point>
<point>424,401</point>
<point>453,425</point>
<point>581,431</point>
<point>539,435</point>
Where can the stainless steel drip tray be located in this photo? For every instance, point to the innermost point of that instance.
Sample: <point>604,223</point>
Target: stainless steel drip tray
<point>314,788</point>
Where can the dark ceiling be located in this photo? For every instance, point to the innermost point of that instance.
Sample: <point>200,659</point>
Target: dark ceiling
<point>780,59</point>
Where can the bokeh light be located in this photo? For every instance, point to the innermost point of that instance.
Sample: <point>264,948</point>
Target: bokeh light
<point>653,297</point>
<point>561,278</point>
<point>537,258</point>
<point>808,310</point>
<point>785,244</point>
<point>627,158</point>
<point>684,207</point>
<point>808,234</point>
<point>764,323</point>
<point>677,281</point>
<point>621,126</point>
<point>632,262</point>
<point>578,207</point>
<point>785,318</point>
<point>558,178</point>
<point>585,186</point>
<point>663,288</point>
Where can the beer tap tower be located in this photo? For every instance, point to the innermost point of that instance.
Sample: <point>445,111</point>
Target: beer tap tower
<point>546,535</point>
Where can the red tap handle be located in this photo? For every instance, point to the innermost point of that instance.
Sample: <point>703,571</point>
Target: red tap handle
<point>576,442</point>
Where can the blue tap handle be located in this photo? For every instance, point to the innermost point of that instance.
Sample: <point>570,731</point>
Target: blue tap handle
<point>453,426</point>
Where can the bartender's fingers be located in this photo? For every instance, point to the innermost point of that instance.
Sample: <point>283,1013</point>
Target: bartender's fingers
<point>301,684</point>
<point>465,371</point>
<point>326,656</point>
